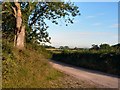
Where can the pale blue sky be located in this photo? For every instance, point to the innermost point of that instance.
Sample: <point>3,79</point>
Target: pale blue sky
<point>97,24</point>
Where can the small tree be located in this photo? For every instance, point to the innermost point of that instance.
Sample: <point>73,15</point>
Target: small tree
<point>75,48</point>
<point>61,47</point>
<point>95,47</point>
<point>104,46</point>
<point>66,47</point>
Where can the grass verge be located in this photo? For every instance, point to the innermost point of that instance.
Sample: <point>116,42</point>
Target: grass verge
<point>27,68</point>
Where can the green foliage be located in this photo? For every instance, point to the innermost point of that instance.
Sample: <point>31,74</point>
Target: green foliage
<point>95,47</point>
<point>34,15</point>
<point>102,60</point>
<point>52,11</point>
<point>8,21</point>
<point>39,49</point>
<point>104,46</point>
<point>27,68</point>
<point>64,47</point>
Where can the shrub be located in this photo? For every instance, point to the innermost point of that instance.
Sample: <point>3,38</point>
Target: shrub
<point>106,62</point>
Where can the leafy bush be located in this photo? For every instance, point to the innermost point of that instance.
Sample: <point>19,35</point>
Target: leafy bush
<point>106,62</point>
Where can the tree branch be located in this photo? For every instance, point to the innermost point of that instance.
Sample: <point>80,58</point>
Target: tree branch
<point>15,13</point>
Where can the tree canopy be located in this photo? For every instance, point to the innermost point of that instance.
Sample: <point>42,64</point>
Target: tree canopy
<point>34,15</point>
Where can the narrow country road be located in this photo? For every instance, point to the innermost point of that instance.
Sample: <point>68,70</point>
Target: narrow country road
<point>90,76</point>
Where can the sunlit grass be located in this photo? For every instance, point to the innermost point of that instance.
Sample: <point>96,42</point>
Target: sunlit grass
<point>26,68</point>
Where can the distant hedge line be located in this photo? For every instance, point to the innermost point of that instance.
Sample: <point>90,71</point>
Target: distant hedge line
<point>107,62</point>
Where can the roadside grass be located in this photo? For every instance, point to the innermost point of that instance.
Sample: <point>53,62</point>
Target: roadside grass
<point>28,68</point>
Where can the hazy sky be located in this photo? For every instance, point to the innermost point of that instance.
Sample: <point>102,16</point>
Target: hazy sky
<point>97,24</point>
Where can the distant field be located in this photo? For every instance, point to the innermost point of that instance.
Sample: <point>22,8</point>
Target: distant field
<point>54,50</point>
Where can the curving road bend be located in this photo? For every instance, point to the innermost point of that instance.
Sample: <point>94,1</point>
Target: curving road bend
<point>98,78</point>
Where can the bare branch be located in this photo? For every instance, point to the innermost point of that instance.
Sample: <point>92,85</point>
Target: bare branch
<point>15,13</point>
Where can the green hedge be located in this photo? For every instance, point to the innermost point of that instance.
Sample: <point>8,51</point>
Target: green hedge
<point>105,62</point>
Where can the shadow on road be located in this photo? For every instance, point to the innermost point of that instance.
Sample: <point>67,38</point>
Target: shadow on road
<point>84,69</point>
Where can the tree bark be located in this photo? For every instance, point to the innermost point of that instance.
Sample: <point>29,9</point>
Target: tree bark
<point>21,38</point>
<point>20,28</point>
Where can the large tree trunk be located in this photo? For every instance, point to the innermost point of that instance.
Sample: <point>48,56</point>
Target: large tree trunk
<point>21,38</point>
<point>20,28</point>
